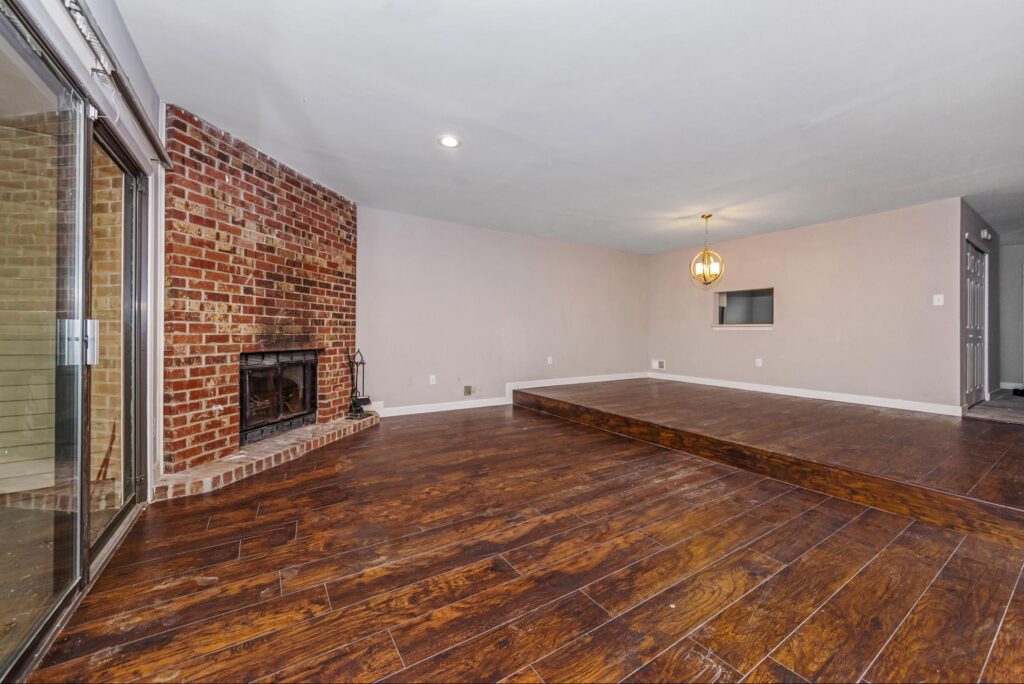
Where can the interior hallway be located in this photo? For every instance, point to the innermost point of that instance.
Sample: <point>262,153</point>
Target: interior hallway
<point>1003,407</point>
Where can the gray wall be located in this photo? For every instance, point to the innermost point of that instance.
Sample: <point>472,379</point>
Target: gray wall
<point>1011,314</point>
<point>853,308</point>
<point>483,308</point>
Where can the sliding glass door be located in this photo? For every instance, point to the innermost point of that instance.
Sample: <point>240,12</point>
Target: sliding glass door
<point>111,267</point>
<point>69,306</point>
<point>41,313</point>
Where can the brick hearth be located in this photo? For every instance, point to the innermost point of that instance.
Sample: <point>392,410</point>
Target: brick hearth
<point>255,458</point>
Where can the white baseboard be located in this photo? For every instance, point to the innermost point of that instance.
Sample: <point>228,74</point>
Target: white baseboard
<point>499,401</point>
<point>440,406</point>
<point>865,400</point>
<point>884,402</point>
<point>1011,385</point>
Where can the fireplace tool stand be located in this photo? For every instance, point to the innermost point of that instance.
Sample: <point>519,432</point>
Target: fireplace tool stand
<point>358,397</point>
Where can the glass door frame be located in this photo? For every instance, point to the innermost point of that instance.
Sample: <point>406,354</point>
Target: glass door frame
<point>17,27</point>
<point>68,368</point>
<point>133,310</point>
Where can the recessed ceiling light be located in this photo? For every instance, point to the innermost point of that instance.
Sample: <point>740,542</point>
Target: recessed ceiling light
<point>449,141</point>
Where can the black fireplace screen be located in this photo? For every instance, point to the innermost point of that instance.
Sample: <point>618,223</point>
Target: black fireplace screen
<point>278,393</point>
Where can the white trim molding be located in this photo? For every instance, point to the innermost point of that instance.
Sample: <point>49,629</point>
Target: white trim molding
<point>439,406</point>
<point>155,364</point>
<point>1011,385</point>
<point>884,402</point>
<point>499,401</point>
<point>862,399</point>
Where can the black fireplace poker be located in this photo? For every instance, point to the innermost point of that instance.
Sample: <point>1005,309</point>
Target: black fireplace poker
<point>358,398</point>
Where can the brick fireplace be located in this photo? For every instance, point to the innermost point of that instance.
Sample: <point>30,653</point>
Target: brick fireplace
<point>258,258</point>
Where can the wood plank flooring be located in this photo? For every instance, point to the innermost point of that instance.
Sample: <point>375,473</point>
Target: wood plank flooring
<point>500,544</point>
<point>965,474</point>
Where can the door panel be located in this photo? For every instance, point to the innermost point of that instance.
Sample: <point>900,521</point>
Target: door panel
<point>41,255</point>
<point>975,321</point>
<point>111,475</point>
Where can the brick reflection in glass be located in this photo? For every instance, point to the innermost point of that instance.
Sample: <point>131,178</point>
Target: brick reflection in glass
<point>293,390</point>
<point>262,399</point>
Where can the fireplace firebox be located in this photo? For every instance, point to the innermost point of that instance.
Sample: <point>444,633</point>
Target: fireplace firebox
<point>278,393</point>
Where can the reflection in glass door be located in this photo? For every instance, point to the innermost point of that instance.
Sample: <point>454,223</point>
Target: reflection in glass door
<point>111,472</point>
<point>69,301</point>
<point>41,248</point>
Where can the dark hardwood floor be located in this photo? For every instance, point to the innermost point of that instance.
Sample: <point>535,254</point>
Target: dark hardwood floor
<point>502,544</point>
<point>966,474</point>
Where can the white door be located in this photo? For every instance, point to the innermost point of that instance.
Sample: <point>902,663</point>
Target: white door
<point>975,325</point>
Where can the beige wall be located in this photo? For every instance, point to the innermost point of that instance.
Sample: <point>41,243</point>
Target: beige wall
<point>853,308</point>
<point>483,308</point>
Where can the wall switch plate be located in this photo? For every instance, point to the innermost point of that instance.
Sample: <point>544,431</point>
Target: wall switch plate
<point>433,379</point>
<point>551,360</point>
<point>758,362</point>
<point>658,364</point>
<point>938,300</point>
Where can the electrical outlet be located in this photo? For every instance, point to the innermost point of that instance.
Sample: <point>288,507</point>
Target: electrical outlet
<point>938,300</point>
<point>658,364</point>
<point>467,390</point>
<point>433,379</point>
<point>758,362</point>
<point>551,360</point>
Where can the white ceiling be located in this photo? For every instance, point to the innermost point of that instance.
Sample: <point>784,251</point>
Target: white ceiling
<point>615,123</point>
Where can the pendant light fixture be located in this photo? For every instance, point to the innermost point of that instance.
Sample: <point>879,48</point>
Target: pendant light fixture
<point>707,266</point>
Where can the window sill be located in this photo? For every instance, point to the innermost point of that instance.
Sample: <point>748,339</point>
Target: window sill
<point>741,326</point>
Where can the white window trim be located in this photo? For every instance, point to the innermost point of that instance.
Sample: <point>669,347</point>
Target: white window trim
<point>743,326</point>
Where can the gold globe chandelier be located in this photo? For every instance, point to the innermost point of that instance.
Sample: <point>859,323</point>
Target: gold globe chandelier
<point>707,266</point>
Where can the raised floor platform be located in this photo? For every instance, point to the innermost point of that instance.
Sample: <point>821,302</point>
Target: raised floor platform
<point>960,473</point>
